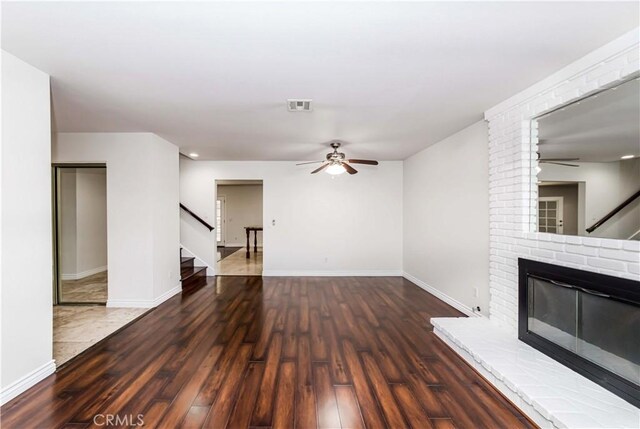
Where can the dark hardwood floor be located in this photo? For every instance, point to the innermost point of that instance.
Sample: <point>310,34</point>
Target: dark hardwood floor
<point>274,352</point>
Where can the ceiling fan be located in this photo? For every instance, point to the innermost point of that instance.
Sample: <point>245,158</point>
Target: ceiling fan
<point>335,162</point>
<point>558,161</point>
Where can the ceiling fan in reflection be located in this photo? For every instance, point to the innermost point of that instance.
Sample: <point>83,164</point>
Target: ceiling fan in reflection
<point>558,161</point>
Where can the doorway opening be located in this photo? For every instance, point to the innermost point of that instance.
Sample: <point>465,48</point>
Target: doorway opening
<point>80,218</point>
<point>239,238</point>
<point>561,208</point>
<point>81,275</point>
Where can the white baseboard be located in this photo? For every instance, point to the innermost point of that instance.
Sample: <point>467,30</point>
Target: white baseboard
<point>130,303</point>
<point>168,294</point>
<point>199,262</point>
<point>310,273</point>
<point>144,303</point>
<point>21,385</point>
<point>83,274</point>
<point>441,295</point>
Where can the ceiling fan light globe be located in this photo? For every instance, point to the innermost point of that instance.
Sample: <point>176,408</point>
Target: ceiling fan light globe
<point>335,169</point>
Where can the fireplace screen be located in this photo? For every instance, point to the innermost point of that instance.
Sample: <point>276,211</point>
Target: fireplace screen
<point>588,321</point>
<point>593,326</point>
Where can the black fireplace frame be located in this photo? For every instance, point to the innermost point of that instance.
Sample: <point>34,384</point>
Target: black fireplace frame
<point>617,288</point>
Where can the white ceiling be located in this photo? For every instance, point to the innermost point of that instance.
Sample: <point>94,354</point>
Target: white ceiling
<point>388,78</point>
<point>600,128</point>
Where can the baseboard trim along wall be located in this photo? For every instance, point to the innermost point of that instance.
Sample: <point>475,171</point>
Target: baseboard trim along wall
<point>26,382</point>
<point>441,295</point>
<point>168,294</point>
<point>363,273</point>
<point>83,274</point>
<point>144,303</point>
<point>139,303</point>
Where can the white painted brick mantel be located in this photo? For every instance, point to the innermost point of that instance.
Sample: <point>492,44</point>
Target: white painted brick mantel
<point>512,189</point>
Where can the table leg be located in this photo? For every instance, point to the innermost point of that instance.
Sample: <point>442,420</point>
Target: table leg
<point>255,241</point>
<point>248,248</point>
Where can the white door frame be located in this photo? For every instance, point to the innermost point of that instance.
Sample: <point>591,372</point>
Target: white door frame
<point>222,227</point>
<point>559,212</point>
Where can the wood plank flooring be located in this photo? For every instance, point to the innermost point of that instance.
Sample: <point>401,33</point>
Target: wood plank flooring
<point>274,353</point>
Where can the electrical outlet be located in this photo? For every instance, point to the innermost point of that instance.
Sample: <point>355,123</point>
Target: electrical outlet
<point>475,292</point>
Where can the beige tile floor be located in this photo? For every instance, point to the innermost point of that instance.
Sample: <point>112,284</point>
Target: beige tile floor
<point>89,289</point>
<point>237,264</point>
<point>76,328</point>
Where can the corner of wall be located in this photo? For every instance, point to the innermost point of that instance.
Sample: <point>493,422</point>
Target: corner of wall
<point>26,227</point>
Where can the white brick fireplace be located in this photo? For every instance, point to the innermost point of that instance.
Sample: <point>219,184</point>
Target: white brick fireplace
<point>551,394</point>
<point>512,187</point>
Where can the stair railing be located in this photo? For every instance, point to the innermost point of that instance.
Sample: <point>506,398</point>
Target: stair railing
<point>613,212</point>
<point>196,217</point>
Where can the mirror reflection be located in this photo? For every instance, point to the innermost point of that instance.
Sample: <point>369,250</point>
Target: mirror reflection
<point>81,201</point>
<point>588,166</point>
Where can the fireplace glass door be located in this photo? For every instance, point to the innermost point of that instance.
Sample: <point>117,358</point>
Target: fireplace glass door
<point>590,324</point>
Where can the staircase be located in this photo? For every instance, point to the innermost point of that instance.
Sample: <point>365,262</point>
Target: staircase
<point>192,277</point>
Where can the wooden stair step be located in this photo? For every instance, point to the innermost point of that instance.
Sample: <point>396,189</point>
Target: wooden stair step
<point>193,277</point>
<point>186,261</point>
<point>188,272</point>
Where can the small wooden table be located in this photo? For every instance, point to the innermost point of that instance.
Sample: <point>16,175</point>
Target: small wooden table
<point>255,230</point>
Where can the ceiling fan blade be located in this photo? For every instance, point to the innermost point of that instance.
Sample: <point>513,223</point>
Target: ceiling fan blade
<point>349,168</point>
<point>559,159</point>
<point>309,162</point>
<point>322,167</point>
<point>558,163</point>
<point>363,161</point>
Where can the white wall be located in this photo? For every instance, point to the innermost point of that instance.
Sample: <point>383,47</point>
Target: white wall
<point>243,208</point>
<point>165,200</point>
<point>67,225</point>
<point>26,257</point>
<point>142,210</point>
<point>83,222</point>
<point>607,184</point>
<point>346,225</point>
<point>91,216</point>
<point>446,217</point>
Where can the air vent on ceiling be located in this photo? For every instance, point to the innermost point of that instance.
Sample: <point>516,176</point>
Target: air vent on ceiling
<point>298,105</point>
